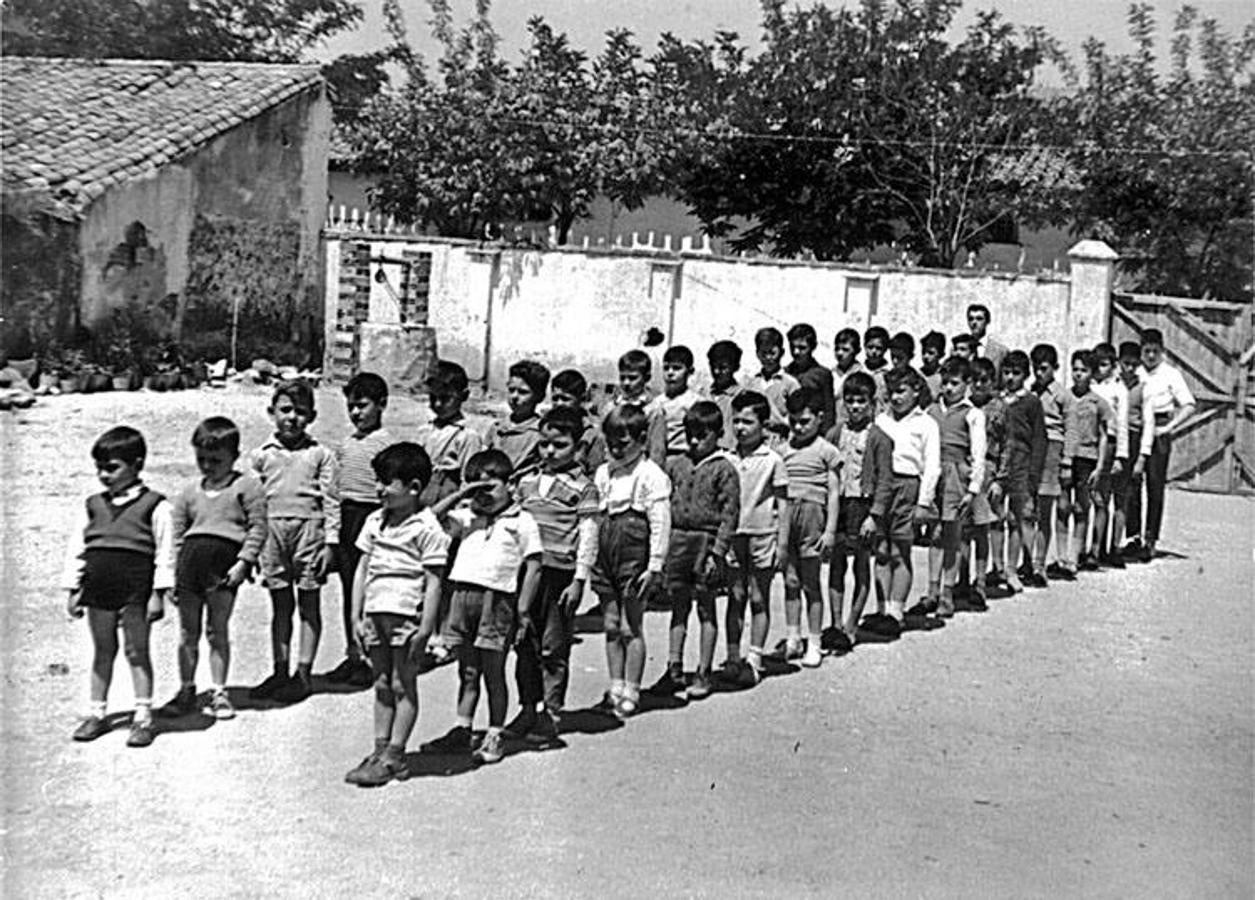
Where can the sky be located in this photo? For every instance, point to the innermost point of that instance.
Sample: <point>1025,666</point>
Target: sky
<point>586,21</point>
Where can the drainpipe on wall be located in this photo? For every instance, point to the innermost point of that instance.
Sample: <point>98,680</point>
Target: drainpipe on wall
<point>493,274</point>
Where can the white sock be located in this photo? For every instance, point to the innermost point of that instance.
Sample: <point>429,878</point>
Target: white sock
<point>143,709</point>
<point>756,657</point>
<point>219,689</point>
<point>815,640</point>
<point>793,634</point>
<point>494,730</point>
<point>464,721</point>
<point>97,709</point>
<point>618,687</point>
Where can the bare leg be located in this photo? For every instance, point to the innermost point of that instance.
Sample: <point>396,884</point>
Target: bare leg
<point>135,628</point>
<point>468,681</point>
<point>862,589</point>
<point>381,663</point>
<point>681,607</point>
<point>405,692</point>
<point>191,612</point>
<point>220,603</point>
<point>836,587</point>
<point>710,631</point>
<point>493,664</point>
<point>283,605</point>
<point>103,624</point>
<point>308,605</point>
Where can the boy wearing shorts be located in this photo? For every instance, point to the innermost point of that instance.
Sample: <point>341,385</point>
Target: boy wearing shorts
<point>1108,511</point>
<point>1023,460</point>
<point>448,441</point>
<point>677,397</point>
<point>1054,405</point>
<point>300,479</point>
<point>1085,459</point>
<point>986,533</point>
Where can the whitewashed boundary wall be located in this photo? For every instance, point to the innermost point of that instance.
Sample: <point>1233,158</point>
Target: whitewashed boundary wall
<point>491,304</point>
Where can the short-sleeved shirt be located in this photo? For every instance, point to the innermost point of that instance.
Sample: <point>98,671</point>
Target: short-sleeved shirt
<point>671,410</point>
<point>1054,407</point>
<point>357,477</point>
<point>808,468</point>
<point>558,501</point>
<point>815,377</point>
<point>1165,389</point>
<point>851,444</point>
<point>518,440</point>
<point>492,550</point>
<point>449,444</point>
<point>838,388</point>
<point>723,399</point>
<point>776,388</point>
<point>397,558</point>
<point>762,475</point>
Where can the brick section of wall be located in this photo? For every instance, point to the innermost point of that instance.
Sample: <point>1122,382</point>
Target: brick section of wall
<point>416,287</point>
<point>352,307</point>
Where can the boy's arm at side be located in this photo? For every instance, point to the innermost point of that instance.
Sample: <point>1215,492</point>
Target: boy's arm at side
<point>656,438</point>
<point>530,584</point>
<point>72,567</point>
<point>979,439</point>
<point>828,539</point>
<point>585,559</point>
<point>180,519</point>
<point>329,487</point>
<point>254,500</point>
<point>358,602</point>
<point>728,497</point>
<point>430,620</point>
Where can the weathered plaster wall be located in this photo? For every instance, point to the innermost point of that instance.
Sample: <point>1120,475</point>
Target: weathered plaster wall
<point>39,280</point>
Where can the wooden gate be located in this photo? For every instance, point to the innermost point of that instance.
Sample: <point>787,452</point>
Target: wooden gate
<point>1210,342</point>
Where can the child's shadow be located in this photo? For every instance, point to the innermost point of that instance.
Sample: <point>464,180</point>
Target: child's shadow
<point>922,623</point>
<point>169,722</point>
<point>444,765</point>
<point>593,720</point>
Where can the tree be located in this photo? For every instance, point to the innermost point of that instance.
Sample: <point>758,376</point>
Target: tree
<point>1164,156</point>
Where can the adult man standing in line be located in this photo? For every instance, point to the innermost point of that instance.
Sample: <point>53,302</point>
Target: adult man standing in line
<point>1168,398</point>
<point>978,319</point>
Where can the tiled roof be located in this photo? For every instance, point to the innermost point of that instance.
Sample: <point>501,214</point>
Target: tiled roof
<point>73,128</point>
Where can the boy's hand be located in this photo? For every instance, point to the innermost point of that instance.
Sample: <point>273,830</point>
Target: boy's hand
<point>74,604</point>
<point>825,543</point>
<point>359,633</point>
<point>1065,477</point>
<point>867,531</point>
<point>571,596</point>
<point>1117,468</point>
<point>236,575</point>
<point>965,503</point>
<point>416,649</point>
<point>157,605</point>
<point>995,493</point>
<point>1139,467</point>
<point>646,585</point>
<point>1092,481</point>
<point>782,558</point>
<point>327,557</point>
<point>923,514</point>
<point>526,628</point>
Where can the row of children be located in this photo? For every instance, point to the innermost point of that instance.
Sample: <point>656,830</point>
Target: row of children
<point>477,551</point>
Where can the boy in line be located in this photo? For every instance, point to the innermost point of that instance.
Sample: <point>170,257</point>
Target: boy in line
<point>1023,461</point>
<point>448,441</point>
<point>850,438</point>
<point>563,501</point>
<point>931,350</point>
<point>632,539</point>
<point>396,603</point>
<point>724,358</point>
<point>752,561</point>
<point>301,482</point>
<point>667,433</point>
<point>987,532</point>
<point>964,347</point>
<point>1141,440</point>
<point>1108,511</point>
<point>901,352</point>
<point>813,467</point>
<point>219,523</point>
<point>810,374</point>
<point>366,396</point>
<point>635,371</point>
<point>772,381</point>
<point>1054,404</point>
<point>1085,459</point>
<point>119,569</point>
<point>495,578</point>
<point>845,347</point>
<point>518,436</point>
<point>569,389</point>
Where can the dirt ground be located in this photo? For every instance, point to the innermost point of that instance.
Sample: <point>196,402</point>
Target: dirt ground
<point>1095,739</point>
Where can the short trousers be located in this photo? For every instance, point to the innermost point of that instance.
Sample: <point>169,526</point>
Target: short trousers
<point>899,520</point>
<point>480,617</point>
<point>951,489</point>
<point>1082,468</point>
<point>289,558</point>
<point>115,579</point>
<point>204,560</point>
<point>807,520</point>
<point>1049,486</point>
<point>622,555</point>
<point>686,560</point>
<point>1022,507</point>
<point>389,629</point>
<point>850,517</point>
<point>753,552</point>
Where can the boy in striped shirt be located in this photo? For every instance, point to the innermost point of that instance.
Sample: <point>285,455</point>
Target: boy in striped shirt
<point>563,501</point>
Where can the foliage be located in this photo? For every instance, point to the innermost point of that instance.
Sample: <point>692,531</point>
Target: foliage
<point>354,78</point>
<point>1164,155</point>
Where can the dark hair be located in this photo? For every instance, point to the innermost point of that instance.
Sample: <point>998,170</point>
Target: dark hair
<point>532,374</point>
<point>859,384</point>
<point>896,378</point>
<point>403,462</point>
<point>752,400</point>
<point>678,354</point>
<point>1153,337</point>
<point>726,352</point>
<point>703,417</point>
<point>804,331</point>
<point>1044,353</point>
<point>636,361</point>
<point>876,332</point>
<point>299,392</point>
<point>903,343</point>
<point>217,433</point>
<point>848,336</point>
<point>964,338</point>
<point>564,420</point>
<point>488,464</point>
<point>980,308</point>
<point>627,418</point>
<point>1016,361</point>
<point>984,368</point>
<point>1084,357</point>
<point>1130,348</point>
<point>934,340</point>
<point>805,398</point>
<point>768,337</point>
<point>447,377</point>
<point>956,365</point>
<point>569,381</point>
<point>122,442</point>
<point>367,386</point>
<point>1104,352</point>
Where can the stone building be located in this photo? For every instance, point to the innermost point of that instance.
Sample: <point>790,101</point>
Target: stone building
<point>189,194</point>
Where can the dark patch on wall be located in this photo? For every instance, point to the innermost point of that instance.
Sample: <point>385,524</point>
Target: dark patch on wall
<point>40,271</point>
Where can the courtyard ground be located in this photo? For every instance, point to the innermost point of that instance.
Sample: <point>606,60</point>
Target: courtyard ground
<point>1094,739</point>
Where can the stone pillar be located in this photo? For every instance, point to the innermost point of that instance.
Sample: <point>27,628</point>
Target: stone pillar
<point>1093,266</point>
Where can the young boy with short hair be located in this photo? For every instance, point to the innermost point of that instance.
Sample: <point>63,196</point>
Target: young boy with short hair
<point>987,531</point>
<point>764,487</point>
<point>366,396</point>
<point>932,347</point>
<point>1054,403</point>
<point>1085,459</point>
<point>1023,461</point>
<point>901,352</point>
<point>705,508</point>
<point>724,358</point>
<point>396,602</point>
<point>667,437</point>
<point>845,348</point>
<point>875,346</point>
<point>809,373</point>
<point>219,524</point>
<point>964,347</point>
<point>772,381</point>
<point>1108,510</point>
<point>518,436</point>
<point>494,578</point>
<point>633,535</point>
<point>569,389</point>
<point>301,482</point>
<point>448,441</point>
<point>1141,441</point>
<point>563,501</point>
<point>119,569</point>
<point>635,371</point>
<point>850,439</point>
<point>813,467</point>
